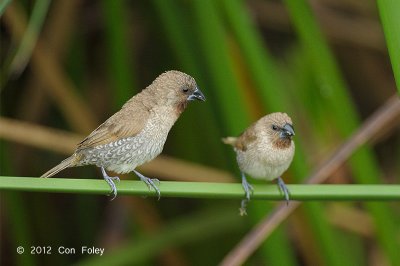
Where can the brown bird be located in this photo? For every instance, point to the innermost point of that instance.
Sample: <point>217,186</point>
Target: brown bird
<point>135,134</point>
<point>264,151</point>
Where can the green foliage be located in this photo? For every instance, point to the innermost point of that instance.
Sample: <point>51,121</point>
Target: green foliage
<point>389,11</point>
<point>246,67</point>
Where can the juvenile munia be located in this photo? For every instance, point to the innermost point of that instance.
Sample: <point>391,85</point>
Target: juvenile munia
<point>264,151</point>
<point>135,134</point>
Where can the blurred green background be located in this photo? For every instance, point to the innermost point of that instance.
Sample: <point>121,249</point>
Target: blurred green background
<point>323,62</point>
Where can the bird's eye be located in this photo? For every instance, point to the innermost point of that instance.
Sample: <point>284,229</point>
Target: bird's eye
<point>274,127</point>
<point>185,89</point>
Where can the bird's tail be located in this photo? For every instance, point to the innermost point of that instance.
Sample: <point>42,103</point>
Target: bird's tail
<point>229,140</point>
<point>70,161</point>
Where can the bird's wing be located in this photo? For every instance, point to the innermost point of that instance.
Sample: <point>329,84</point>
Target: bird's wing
<point>126,123</point>
<point>245,139</point>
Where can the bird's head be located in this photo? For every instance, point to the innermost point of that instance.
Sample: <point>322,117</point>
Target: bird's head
<point>178,89</point>
<point>279,128</point>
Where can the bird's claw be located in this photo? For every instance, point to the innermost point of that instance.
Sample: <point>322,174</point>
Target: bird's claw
<point>115,178</point>
<point>110,182</point>
<point>155,180</point>
<point>113,192</point>
<point>284,189</point>
<point>150,183</point>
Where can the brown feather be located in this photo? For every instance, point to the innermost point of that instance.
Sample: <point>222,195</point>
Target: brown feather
<point>134,116</point>
<point>245,139</point>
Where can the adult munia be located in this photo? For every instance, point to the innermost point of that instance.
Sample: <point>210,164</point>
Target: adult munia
<point>264,151</point>
<point>135,134</point>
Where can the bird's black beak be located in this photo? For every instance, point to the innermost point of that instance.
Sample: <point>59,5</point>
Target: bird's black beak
<point>287,131</point>
<point>196,95</point>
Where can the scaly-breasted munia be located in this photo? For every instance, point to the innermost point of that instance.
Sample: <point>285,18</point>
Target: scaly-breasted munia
<point>135,134</point>
<point>264,151</point>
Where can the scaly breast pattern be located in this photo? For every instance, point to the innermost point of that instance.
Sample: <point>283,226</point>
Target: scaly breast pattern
<point>126,154</point>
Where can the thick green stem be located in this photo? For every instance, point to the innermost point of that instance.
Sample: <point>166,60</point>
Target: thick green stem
<point>203,189</point>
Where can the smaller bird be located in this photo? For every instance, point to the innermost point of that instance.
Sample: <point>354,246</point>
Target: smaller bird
<point>264,150</point>
<point>135,134</point>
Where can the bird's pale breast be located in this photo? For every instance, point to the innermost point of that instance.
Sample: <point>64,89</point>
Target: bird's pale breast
<point>264,161</point>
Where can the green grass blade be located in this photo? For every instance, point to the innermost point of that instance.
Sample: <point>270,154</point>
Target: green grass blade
<point>176,23</point>
<point>389,11</point>
<point>120,65</point>
<point>220,68</point>
<point>181,38</point>
<point>29,40</point>
<point>260,64</point>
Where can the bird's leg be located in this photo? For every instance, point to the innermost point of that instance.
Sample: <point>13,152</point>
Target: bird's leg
<point>284,189</point>
<point>150,182</point>
<point>110,181</point>
<point>248,189</point>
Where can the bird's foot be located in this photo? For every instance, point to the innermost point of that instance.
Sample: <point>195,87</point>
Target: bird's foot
<point>248,190</point>
<point>284,189</point>
<point>115,178</point>
<point>151,183</point>
<point>243,207</point>
<point>110,180</point>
